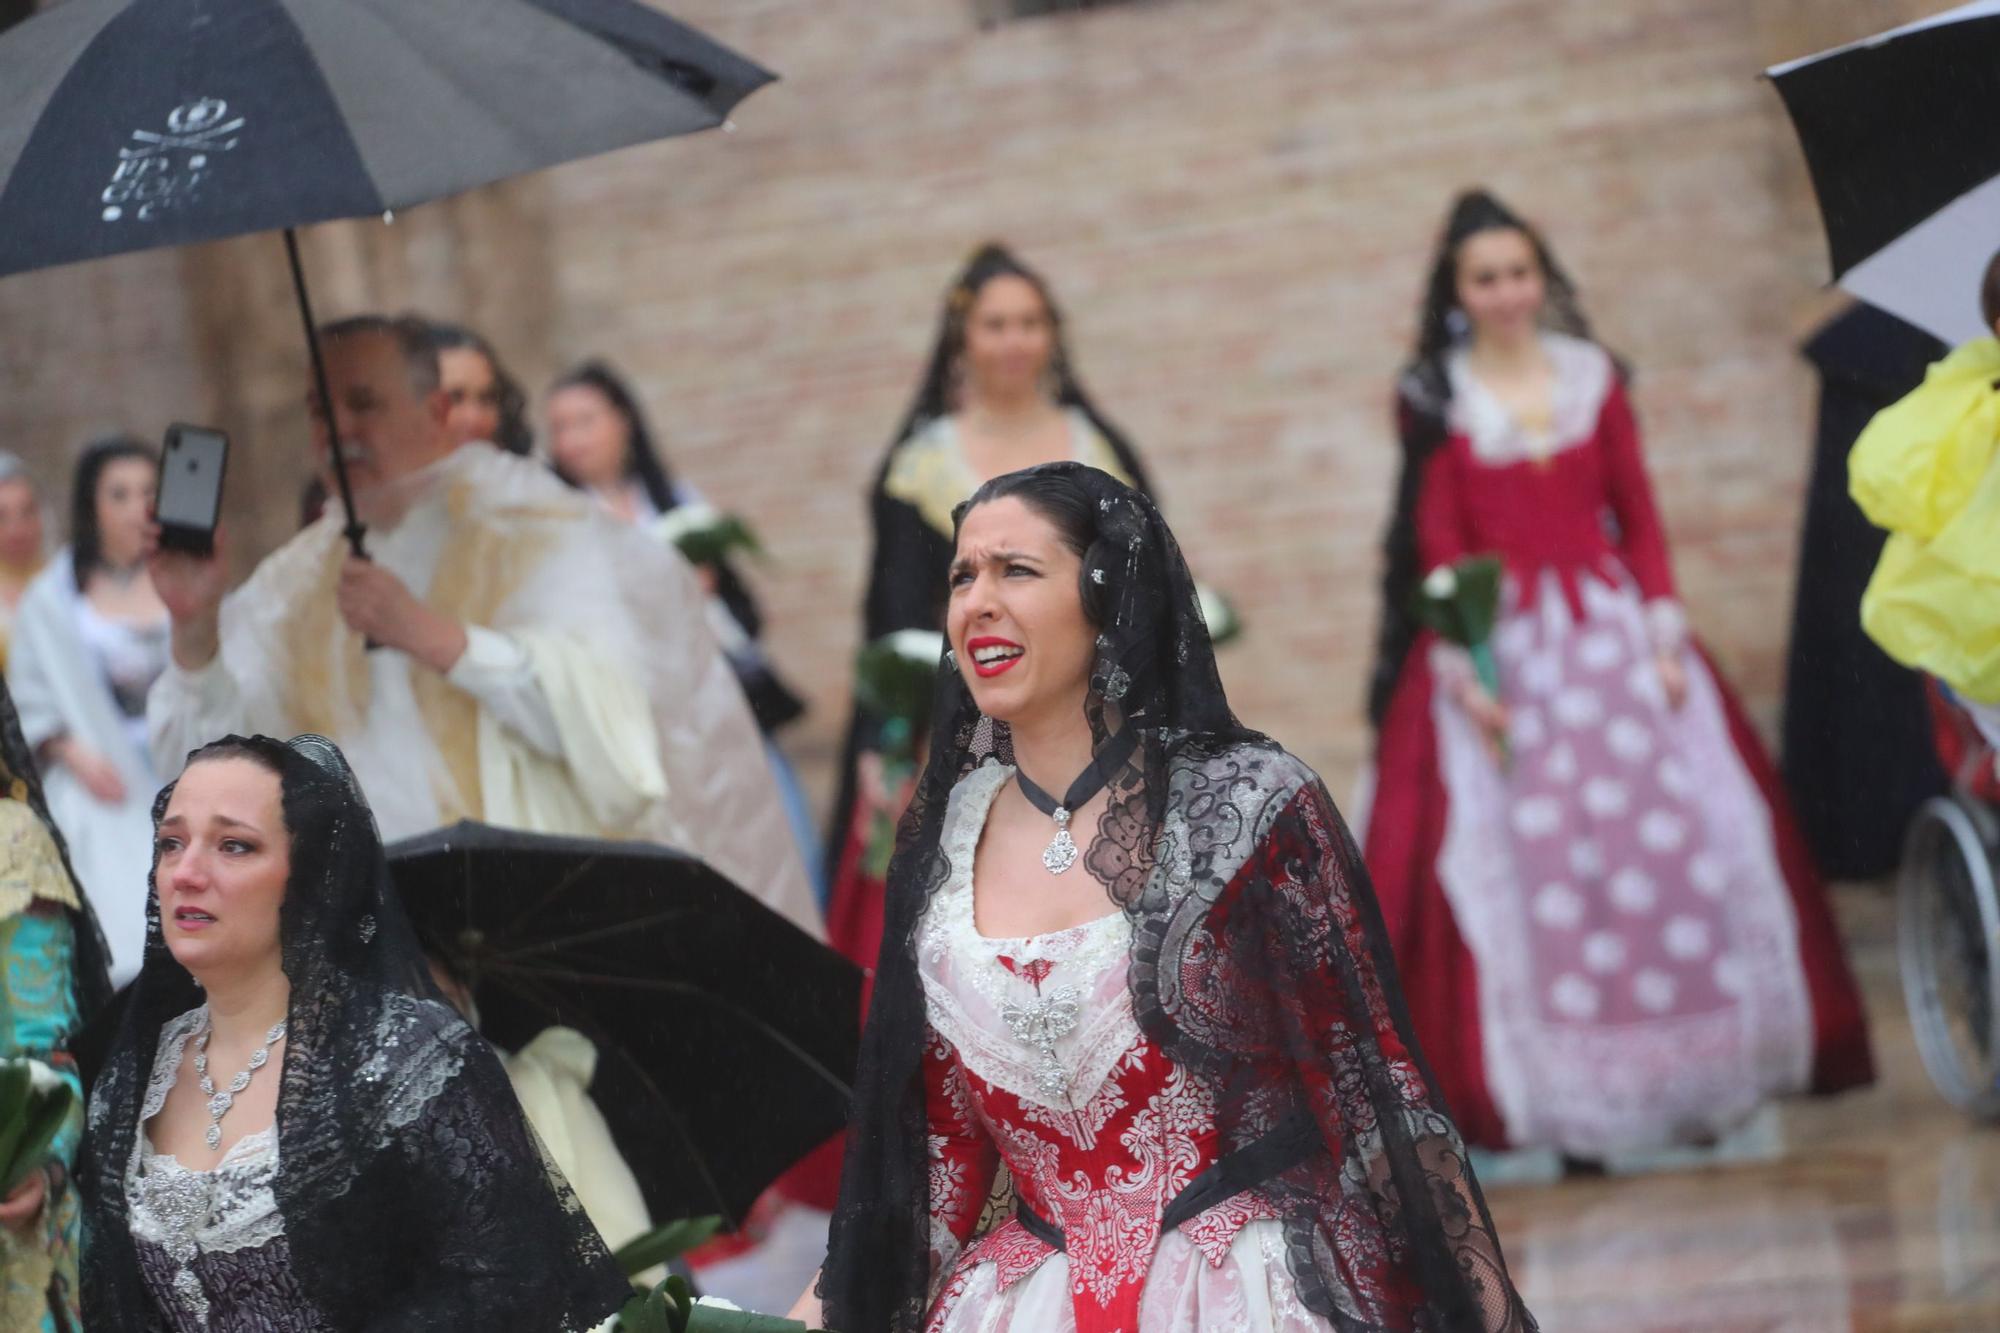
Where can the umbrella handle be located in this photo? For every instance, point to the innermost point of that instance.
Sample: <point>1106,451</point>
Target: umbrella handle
<point>354,530</point>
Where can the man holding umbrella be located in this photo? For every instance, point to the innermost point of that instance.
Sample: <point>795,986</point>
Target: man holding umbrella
<point>504,654</point>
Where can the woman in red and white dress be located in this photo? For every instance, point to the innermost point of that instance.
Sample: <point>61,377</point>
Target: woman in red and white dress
<point>1610,933</point>
<point>1136,1061</point>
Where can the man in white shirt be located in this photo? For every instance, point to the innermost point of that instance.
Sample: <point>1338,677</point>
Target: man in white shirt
<point>536,665</point>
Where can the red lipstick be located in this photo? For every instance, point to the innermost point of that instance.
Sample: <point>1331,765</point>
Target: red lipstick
<point>992,657</point>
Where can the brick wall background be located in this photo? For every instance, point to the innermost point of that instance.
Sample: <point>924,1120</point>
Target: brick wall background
<point>1235,199</point>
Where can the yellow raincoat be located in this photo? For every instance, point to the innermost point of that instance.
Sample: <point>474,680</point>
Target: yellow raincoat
<point>1924,469</point>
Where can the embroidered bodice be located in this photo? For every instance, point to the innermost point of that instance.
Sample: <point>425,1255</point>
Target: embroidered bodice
<point>1566,501</point>
<point>211,1243</point>
<point>1037,1062</point>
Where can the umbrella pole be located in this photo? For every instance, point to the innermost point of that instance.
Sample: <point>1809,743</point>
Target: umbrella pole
<point>354,529</point>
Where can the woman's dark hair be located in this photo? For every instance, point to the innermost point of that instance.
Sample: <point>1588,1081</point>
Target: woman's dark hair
<point>1061,499</point>
<point>1424,404</point>
<point>1989,291</point>
<point>1474,213</point>
<point>643,461</point>
<point>514,434</point>
<point>937,393</point>
<point>86,537</point>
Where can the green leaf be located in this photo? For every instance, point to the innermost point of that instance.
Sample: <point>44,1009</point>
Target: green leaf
<point>712,1319</point>
<point>644,1313</point>
<point>890,683</point>
<point>16,1087</point>
<point>44,1119</point>
<point>665,1243</point>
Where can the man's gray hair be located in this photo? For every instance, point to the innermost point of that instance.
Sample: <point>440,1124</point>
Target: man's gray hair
<point>412,336</point>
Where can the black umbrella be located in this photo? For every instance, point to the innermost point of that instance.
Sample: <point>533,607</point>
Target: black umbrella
<point>726,1035</point>
<point>132,124</point>
<point>1899,136</point>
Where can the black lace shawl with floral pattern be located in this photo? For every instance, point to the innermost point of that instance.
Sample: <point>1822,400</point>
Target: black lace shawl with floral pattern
<point>414,1195</point>
<point>1259,963</point>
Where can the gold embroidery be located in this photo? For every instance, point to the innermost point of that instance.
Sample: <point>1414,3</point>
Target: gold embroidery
<point>486,560</point>
<point>929,473</point>
<point>327,666</point>
<point>30,869</point>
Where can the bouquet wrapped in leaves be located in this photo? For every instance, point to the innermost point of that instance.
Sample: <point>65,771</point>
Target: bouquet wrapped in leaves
<point>672,1307</point>
<point>35,1103</point>
<point>894,679</point>
<point>1460,603</point>
<point>705,535</point>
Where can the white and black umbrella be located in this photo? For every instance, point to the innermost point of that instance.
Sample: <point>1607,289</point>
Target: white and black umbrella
<point>133,124</point>
<point>1901,137</point>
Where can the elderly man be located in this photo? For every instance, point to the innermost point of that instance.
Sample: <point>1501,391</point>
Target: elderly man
<point>536,665</point>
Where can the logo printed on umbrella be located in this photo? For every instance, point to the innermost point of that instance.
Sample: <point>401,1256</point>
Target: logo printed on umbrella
<point>166,170</point>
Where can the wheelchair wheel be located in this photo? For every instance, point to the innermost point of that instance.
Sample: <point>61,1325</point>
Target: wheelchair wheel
<point>1948,932</point>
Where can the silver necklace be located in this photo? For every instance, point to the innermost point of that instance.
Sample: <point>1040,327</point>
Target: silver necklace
<point>220,1102</point>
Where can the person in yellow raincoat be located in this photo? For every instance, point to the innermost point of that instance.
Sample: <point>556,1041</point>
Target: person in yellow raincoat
<point>1924,469</point>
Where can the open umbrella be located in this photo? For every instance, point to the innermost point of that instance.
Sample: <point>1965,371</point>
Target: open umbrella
<point>131,124</point>
<point>1899,138</point>
<point>726,1036</point>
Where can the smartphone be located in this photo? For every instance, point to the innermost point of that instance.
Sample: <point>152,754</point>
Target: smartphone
<point>190,496</point>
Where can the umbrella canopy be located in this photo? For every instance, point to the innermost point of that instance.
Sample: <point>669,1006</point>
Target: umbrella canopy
<point>726,1036</point>
<point>130,124</point>
<point>1898,136</point>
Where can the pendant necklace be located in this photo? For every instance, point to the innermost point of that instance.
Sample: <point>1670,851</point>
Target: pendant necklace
<point>1060,854</point>
<point>220,1102</point>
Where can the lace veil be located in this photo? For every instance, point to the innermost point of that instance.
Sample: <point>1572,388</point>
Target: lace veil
<point>413,1193</point>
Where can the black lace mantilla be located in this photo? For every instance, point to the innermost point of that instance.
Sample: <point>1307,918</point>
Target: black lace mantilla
<point>1259,964</point>
<point>412,1192</point>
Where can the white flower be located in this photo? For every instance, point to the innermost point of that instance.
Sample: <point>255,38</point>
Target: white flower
<point>717,1303</point>
<point>923,646</point>
<point>43,1079</point>
<point>684,520</point>
<point>1441,583</point>
<point>1217,614</point>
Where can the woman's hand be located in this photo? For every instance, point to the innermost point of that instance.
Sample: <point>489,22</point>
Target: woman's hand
<point>191,586</point>
<point>99,776</point>
<point>20,1208</point>
<point>1488,714</point>
<point>1673,680</point>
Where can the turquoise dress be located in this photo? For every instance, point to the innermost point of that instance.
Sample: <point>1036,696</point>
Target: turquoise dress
<point>38,1018</point>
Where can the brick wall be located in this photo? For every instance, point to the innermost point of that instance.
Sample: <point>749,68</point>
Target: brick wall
<point>1234,198</point>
